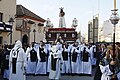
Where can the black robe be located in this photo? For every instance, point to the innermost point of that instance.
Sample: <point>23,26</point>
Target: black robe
<point>53,63</point>
<point>14,60</point>
<point>33,55</point>
<point>65,55</point>
<point>42,54</point>
<point>85,55</point>
<point>98,73</point>
<point>74,56</point>
<point>6,58</point>
<point>94,52</point>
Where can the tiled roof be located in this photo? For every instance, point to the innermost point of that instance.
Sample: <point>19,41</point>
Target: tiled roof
<point>22,11</point>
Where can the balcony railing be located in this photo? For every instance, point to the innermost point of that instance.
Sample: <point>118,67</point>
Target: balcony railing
<point>5,27</point>
<point>23,29</point>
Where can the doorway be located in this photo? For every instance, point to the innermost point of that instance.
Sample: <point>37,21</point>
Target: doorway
<point>25,39</point>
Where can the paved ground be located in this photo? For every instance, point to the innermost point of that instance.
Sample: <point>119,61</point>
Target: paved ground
<point>63,77</point>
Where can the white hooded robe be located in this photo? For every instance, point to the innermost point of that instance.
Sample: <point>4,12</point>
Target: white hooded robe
<point>20,62</point>
<point>57,55</point>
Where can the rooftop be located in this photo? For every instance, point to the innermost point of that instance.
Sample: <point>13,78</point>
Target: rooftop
<point>21,11</point>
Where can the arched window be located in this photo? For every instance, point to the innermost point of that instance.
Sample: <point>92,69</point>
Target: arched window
<point>25,39</point>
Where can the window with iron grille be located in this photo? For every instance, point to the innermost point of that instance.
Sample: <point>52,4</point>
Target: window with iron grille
<point>1,17</point>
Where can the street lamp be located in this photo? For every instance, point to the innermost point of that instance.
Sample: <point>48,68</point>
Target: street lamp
<point>114,18</point>
<point>34,34</point>
<point>11,21</point>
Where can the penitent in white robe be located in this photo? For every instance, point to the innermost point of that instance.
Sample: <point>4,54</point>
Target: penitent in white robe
<point>92,50</point>
<point>66,60</point>
<point>55,56</point>
<point>41,64</point>
<point>86,67</point>
<point>75,61</point>
<point>31,66</point>
<point>48,48</point>
<point>20,62</point>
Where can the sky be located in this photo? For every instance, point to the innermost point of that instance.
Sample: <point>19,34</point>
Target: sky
<point>83,10</point>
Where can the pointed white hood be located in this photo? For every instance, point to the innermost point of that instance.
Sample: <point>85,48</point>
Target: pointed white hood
<point>18,44</point>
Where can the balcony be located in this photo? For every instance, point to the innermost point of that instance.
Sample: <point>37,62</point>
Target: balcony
<point>5,27</point>
<point>23,29</point>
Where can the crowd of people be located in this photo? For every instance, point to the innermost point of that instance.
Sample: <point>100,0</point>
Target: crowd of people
<point>62,58</point>
<point>59,58</point>
<point>108,67</point>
